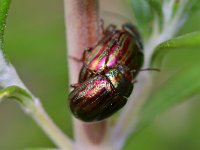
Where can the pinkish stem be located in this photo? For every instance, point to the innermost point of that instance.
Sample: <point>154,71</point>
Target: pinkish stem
<point>83,30</point>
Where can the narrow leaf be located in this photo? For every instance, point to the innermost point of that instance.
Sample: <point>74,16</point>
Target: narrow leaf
<point>187,41</point>
<point>144,11</point>
<point>182,86</point>
<point>16,93</point>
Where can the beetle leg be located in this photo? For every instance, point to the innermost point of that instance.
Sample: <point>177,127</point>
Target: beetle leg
<point>102,26</point>
<point>79,60</point>
<point>134,81</point>
<point>133,71</point>
<point>110,28</point>
<point>116,38</point>
<point>89,49</point>
<point>85,54</point>
<point>89,70</point>
<point>75,85</point>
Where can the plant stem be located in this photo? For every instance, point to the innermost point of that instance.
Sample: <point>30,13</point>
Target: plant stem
<point>82,23</point>
<point>128,120</point>
<point>45,122</point>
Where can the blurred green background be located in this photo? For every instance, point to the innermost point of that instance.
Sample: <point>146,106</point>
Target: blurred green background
<point>35,45</point>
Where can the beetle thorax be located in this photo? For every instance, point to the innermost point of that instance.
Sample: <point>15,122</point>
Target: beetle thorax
<point>121,78</point>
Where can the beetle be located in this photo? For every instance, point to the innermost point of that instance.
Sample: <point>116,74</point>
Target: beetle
<point>107,76</point>
<point>124,46</point>
<point>101,95</point>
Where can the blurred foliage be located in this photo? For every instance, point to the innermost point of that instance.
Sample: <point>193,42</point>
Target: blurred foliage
<point>145,11</point>
<point>3,9</point>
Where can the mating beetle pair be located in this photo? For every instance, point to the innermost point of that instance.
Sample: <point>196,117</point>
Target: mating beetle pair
<point>107,76</point>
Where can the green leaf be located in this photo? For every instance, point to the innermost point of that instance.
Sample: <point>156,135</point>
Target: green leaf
<point>4,5</point>
<point>16,93</point>
<point>156,5</point>
<point>187,41</point>
<point>144,11</point>
<point>193,23</point>
<point>182,86</point>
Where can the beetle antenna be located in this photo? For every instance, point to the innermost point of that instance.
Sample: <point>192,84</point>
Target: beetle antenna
<point>150,69</point>
<point>147,69</point>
